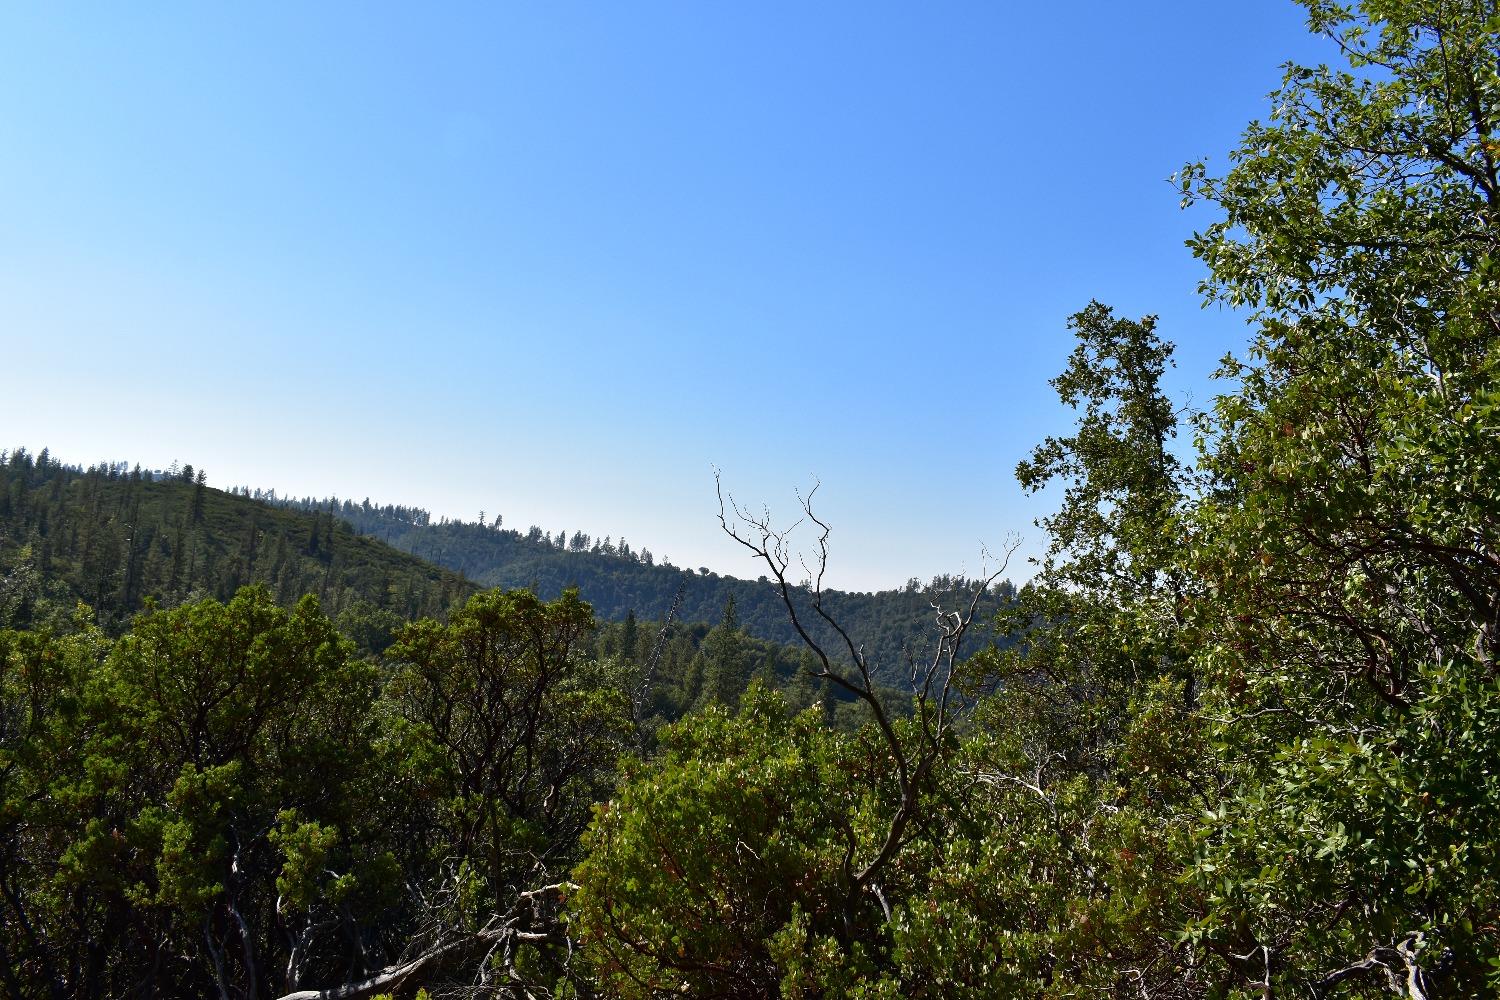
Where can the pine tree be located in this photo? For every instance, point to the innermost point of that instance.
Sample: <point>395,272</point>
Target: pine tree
<point>629,637</point>
<point>200,488</point>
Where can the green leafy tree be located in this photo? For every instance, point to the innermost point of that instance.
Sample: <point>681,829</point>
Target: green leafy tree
<point>509,733</point>
<point>1349,533</point>
<point>41,676</point>
<point>725,671</point>
<point>676,892</point>
<point>1090,759</point>
<point>155,853</point>
<point>1103,612</point>
<point>700,868</point>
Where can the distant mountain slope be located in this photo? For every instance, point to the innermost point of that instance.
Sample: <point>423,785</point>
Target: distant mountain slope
<point>113,537</point>
<point>617,580</point>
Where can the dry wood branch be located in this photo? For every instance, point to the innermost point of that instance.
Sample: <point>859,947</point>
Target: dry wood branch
<point>931,682</point>
<point>502,930</point>
<point>1397,963</point>
<point>642,694</point>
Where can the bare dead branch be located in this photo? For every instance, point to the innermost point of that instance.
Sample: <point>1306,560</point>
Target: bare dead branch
<point>500,931</point>
<point>931,684</point>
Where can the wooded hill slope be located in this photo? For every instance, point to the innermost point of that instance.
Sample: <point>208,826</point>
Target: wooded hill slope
<point>117,538</point>
<point>113,537</point>
<point>618,580</point>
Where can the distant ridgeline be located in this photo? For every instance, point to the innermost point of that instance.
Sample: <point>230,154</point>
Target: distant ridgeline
<point>617,579</point>
<point>113,535</point>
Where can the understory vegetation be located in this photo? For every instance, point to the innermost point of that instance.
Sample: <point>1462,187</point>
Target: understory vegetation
<point>1238,736</point>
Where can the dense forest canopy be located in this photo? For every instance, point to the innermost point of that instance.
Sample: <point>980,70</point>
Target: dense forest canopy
<point>1237,737</point>
<point>118,539</point>
<point>620,580</point>
<point>114,536</point>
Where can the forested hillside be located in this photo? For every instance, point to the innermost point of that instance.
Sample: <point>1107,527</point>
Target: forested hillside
<point>690,667</point>
<point>618,580</point>
<point>116,538</point>
<point>113,537</point>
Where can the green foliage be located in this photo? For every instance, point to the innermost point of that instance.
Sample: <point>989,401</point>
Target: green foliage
<point>1103,615</point>
<point>1347,539</point>
<point>510,730</point>
<point>735,834</point>
<point>724,866</point>
<point>619,583</point>
<point>1121,478</point>
<point>170,784</point>
<point>118,539</point>
<point>41,679</point>
<point>1246,740</point>
<point>697,665</point>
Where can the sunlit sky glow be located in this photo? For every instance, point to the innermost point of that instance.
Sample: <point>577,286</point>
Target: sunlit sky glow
<point>561,260</point>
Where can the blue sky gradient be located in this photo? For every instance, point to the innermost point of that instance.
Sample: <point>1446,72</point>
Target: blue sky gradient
<point>558,261</point>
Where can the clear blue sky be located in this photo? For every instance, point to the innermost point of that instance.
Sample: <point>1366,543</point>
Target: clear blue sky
<point>558,260</point>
